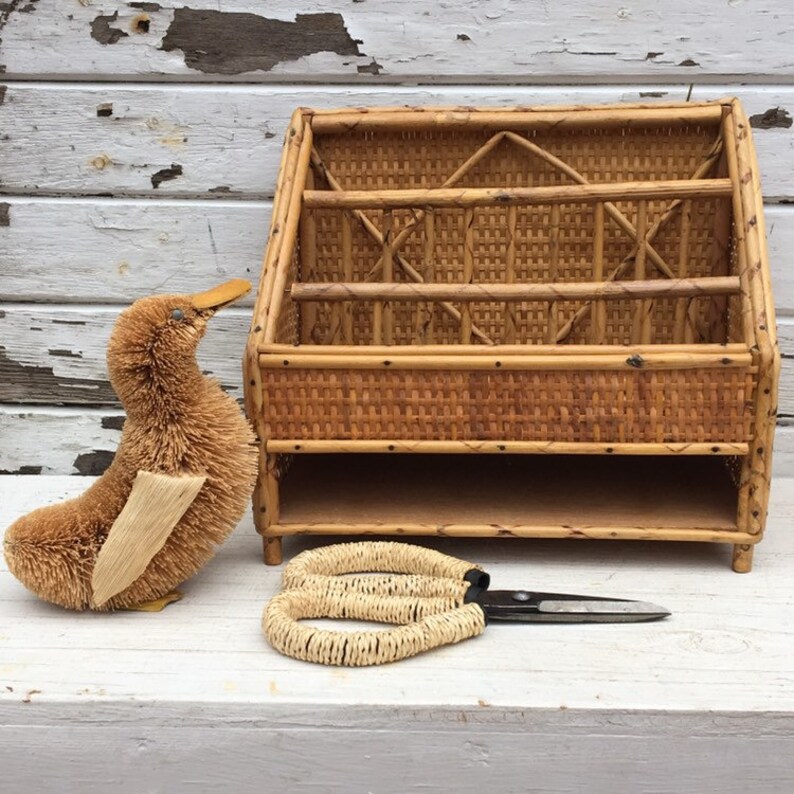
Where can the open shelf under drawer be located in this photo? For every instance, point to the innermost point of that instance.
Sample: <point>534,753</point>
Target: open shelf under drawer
<point>523,495</point>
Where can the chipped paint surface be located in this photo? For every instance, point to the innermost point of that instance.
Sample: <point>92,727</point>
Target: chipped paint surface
<point>20,381</point>
<point>5,213</point>
<point>50,441</point>
<point>223,42</point>
<point>234,138</point>
<point>103,31</point>
<point>166,175</point>
<point>92,464</point>
<point>774,117</point>
<point>24,469</point>
<point>466,42</point>
<point>64,363</point>
<point>113,422</point>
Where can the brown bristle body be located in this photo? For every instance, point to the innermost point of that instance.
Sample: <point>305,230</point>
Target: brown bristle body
<point>178,422</point>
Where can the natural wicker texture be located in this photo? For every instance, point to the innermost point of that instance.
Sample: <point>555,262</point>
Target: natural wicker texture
<point>536,231</point>
<point>688,405</point>
<point>422,592</point>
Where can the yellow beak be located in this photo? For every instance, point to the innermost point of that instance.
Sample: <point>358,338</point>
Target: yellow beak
<point>222,295</point>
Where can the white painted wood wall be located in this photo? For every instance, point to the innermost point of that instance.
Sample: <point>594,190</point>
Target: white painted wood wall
<point>139,143</point>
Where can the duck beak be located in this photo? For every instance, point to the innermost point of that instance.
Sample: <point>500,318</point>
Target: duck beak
<point>220,296</point>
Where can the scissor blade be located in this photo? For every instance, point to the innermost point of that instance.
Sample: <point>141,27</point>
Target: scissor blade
<point>527,607</point>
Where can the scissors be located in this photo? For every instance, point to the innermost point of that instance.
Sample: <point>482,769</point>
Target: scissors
<point>434,600</point>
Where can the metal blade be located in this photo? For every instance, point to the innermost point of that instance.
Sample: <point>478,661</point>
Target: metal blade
<point>594,611</point>
<point>527,607</point>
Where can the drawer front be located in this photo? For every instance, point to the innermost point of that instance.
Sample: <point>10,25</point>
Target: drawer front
<point>655,406</point>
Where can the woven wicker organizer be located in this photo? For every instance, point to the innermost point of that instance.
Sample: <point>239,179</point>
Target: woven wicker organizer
<point>531,322</point>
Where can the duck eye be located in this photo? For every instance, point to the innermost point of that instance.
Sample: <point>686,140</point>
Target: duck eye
<point>177,314</point>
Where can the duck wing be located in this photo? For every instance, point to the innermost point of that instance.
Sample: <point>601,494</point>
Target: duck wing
<point>154,507</point>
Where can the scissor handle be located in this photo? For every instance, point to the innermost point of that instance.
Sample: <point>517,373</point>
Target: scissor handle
<point>414,570</point>
<point>421,590</point>
<point>440,622</point>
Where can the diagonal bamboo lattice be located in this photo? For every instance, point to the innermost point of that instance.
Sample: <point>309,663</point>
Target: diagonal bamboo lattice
<point>687,323</point>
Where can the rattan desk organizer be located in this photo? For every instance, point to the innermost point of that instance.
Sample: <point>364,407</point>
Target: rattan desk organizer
<point>458,333</point>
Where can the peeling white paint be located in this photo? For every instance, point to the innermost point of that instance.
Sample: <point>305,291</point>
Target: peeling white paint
<point>417,39</point>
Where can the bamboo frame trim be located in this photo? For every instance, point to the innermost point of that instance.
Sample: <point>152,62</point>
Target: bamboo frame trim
<point>281,200</point>
<point>757,466</point>
<point>551,194</point>
<point>563,118</point>
<point>396,446</point>
<point>734,349</point>
<point>583,290</point>
<point>265,497</point>
<point>289,239</point>
<point>312,113</point>
<point>699,534</point>
<point>738,219</point>
<point>513,362</point>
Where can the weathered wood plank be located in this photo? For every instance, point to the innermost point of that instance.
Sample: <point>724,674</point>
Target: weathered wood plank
<point>77,440</point>
<point>56,355</point>
<point>50,440</point>
<point>226,142</point>
<point>380,40</point>
<point>399,758</point>
<point>114,251</point>
<point>202,140</point>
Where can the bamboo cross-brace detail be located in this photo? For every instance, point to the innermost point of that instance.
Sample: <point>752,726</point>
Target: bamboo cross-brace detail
<point>405,266</point>
<point>703,169</point>
<point>452,180</point>
<point>611,210</point>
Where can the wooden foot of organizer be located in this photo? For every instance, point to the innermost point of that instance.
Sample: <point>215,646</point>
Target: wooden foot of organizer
<point>743,557</point>
<point>271,547</point>
<point>467,317</point>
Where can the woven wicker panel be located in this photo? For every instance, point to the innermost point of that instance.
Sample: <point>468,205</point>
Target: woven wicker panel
<point>388,159</point>
<point>698,405</point>
<point>287,330</point>
<point>490,236</point>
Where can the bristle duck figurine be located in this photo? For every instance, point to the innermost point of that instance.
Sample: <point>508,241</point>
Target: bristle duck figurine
<point>178,484</point>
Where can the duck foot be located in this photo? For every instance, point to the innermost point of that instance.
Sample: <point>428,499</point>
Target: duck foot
<point>158,605</point>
